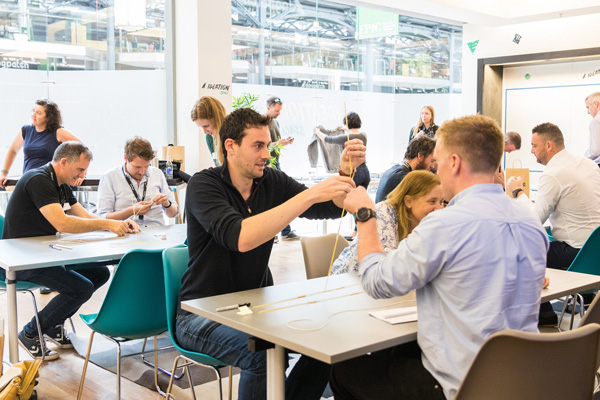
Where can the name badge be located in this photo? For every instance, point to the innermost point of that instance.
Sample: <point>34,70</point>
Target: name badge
<point>66,207</point>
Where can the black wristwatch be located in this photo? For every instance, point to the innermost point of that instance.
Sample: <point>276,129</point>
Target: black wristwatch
<point>364,214</point>
<point>516,192</point>
<point>170,204</point>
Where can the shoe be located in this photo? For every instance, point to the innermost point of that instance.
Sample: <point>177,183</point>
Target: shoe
<point>45,290</point>
<point>547,319</point>
<point>290,236</point>
<point>58,336</point>
<point>32,346</point>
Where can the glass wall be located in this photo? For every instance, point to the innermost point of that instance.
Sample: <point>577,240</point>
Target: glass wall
<point>101,61</point>
<point>323,44</point>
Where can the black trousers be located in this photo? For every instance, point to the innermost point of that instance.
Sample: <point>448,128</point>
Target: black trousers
<point>560,256</point>
<point>395,373</point>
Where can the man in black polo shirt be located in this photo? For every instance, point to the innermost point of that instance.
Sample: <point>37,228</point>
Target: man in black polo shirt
<point>42,204</point>
<point>234,211</point>
<point>419,155</point>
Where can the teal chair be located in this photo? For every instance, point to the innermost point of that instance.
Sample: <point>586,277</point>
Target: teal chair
<point>28,287</point>
<point>134,307</point>
<point>586,262</point>
<point>175,261</point>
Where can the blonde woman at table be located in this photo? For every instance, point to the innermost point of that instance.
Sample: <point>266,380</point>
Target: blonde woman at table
<point>419,194</point>
<point>208,113</point>
<point>38,140</point>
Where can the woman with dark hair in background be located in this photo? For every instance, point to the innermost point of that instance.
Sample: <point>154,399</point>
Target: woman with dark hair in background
<point>340,136</point>
<point>208,113</point>
<point>38,140</point>
<point>426,125</point>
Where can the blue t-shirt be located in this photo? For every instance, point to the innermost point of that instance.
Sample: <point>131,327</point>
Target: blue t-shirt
<point>38,148</point>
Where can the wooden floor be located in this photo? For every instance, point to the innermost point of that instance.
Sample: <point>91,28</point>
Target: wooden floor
<point>59,379</point>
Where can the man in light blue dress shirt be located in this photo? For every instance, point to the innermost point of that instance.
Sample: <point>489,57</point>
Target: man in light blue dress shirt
<point>136,190</point>
<point>477,266</point>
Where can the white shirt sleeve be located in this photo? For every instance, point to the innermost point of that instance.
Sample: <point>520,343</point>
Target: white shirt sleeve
<point>106,196</point>
<point>593,151</point>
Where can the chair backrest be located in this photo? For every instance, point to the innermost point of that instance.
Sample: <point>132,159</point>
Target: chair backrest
<point>134,306</point>
<point>1,225</point>
<point>587,260</point>
<point>522,365</point>
<point>592,315</point>
<point>317,253</point>
<point>175,263</point>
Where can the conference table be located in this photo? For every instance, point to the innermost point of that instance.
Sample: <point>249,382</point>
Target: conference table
<point>36,252</point>
<point>328,318</point>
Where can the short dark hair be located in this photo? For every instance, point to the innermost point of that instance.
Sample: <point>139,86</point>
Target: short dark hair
<point>274,100</point>
<point>354,121</point>
<point>551,133</point>
<point>53,116</point>
<point>72,151</point>
<point>513,138</point>
<point>235,124</point>
<point>422,145</point>
<point>139,147</point>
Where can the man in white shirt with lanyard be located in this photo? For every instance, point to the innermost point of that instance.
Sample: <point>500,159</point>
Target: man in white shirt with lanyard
<point>136,190</point>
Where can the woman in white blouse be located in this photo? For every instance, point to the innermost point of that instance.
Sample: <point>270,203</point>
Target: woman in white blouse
<point>417,195</point>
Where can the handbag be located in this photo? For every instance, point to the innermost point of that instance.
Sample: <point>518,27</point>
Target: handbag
<point>19,380</point>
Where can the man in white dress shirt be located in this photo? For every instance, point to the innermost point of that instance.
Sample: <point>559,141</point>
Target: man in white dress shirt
<point>592,104</point>
<point>136,190</point>
<point>568,196</point>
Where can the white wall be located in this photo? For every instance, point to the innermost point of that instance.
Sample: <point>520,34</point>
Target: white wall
<point>536,37</point>
<point>102,108</point>
<point>386,119</point>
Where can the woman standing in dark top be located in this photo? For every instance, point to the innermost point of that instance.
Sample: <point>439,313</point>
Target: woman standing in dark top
<point>38,140</point>
<point>339,136</point>
<point>426,125</point>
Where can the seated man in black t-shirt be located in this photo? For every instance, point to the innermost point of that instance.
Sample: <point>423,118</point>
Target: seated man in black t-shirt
<point>42,204</point>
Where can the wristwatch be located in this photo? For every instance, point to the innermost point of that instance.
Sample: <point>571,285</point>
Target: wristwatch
<point>364,214</point>
<point>516,192</point>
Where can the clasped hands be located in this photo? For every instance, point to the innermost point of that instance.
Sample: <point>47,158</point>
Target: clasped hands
<point>142,207</point>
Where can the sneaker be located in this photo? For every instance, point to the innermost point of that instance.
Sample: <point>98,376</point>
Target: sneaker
<point>45,290</point>
<point>32,346</point>
<point>548,319</point>
<point>290,236</point>
<point>58,336</point>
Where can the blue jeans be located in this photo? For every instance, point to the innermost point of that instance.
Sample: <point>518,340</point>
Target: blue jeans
<point>74,288</point>
<point>307,380</point>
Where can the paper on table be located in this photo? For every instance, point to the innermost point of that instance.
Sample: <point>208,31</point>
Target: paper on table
<point>394,316</point>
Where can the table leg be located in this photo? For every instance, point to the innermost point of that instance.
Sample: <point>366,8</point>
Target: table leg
<point>11,304</point>
<point>276,373</point>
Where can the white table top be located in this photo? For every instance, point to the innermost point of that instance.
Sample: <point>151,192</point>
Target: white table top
<point>346,335</point>
<point>34,252</point>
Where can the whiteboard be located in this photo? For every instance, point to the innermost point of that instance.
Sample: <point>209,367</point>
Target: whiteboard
<point>548,93</point>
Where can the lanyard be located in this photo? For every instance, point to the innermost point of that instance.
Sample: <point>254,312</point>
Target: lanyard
<point>137,198</point>
<point>407,165</point>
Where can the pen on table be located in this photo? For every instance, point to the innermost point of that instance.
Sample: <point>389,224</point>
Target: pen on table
<point>53,247</point>
<point>59,247</point>
<point>232,307</point>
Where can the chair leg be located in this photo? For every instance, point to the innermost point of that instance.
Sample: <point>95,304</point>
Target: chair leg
<point>155,365</point>
<point>230,380</point>
<point>118,365</point>
<point>175,365</point>
<point>564,309</point>
<point>85,364</point>
<point>189,375</point>
<point>164,371</point>
<point>219,380</point>
<point>39,328</point>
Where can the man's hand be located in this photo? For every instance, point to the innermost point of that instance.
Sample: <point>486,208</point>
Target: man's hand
<point>358,198</point>
<point>514,183</point>
<point>546,282</point>
<point>286,141</point>
<point>161,199</point>
<point>142,207</point>
<point>335,188</point>
<point>122,228</point>
<point>3,179</point>
<point>355,151</point>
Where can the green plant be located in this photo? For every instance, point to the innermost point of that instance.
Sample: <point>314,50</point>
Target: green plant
<point>246,100</point>
<point>274,148</point>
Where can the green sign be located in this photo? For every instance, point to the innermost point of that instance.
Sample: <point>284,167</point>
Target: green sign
<point>473,46</point>
<point>374,23</point>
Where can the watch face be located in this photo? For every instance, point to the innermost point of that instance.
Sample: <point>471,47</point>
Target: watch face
<point>364,214</point>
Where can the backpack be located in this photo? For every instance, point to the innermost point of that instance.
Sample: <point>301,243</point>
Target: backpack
<point>19,380</point>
